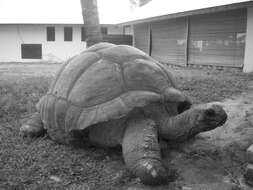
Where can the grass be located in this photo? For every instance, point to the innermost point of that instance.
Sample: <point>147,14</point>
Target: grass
<point>42,164</point>
<point>19,97</point>
<point>213,85</point>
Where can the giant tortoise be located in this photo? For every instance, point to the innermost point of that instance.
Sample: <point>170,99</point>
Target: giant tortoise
<point>118,95</point>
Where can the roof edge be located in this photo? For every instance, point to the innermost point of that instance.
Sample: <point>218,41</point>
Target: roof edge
<point>52,24</point>
<point>192,12</point>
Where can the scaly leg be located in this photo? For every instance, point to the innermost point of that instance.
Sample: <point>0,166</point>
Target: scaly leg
<point>141,151</point>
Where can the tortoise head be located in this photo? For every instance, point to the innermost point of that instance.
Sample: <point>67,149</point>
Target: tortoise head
<point>209,116</point>
<point>180,121</point>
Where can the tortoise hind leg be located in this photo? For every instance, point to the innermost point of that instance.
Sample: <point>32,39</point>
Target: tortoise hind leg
<point>33,127</point>
<point>141,152</point>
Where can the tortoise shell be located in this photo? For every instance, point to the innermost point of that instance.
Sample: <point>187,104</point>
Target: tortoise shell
<point>104,82</point>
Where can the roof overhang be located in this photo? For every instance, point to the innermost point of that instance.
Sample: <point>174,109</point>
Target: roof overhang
<point>192,12</point>
<point>58,24</point>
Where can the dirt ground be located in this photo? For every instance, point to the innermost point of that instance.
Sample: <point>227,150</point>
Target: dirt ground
<point>212,161</point>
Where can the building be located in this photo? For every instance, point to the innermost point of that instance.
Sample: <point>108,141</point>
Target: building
<point>216,33</point>
<point>44,30</point>
<point>45,42</point>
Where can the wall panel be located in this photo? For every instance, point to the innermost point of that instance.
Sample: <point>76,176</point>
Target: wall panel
<point>169,40</point>
<point>218,38</point>
<point>141,37</point>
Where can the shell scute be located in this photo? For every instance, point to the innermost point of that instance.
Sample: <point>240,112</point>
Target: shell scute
<point>122,53</point>
<point>145,75</point>
<point>116,108</point>
<point>72,71</point>
<point>99,84</point>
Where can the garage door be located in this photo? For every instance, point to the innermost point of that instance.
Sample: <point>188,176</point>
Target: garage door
<point>141,37</point>
<point>169,41</point>
<point>218,38</point>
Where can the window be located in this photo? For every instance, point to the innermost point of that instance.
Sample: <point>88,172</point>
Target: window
<point>68,32</point>
<point>127,30</point>
<point>83,34</point>
<point>104,30</point>
<point>50,33</point>
<point>31,51</point>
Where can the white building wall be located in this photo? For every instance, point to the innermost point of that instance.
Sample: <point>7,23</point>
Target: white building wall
<point>13,35</point>
<point>248,58</point>
<point>61,49</point>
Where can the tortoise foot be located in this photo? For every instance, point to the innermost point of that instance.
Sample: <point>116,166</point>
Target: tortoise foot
<point>33,127</point>
<point>151,172</point>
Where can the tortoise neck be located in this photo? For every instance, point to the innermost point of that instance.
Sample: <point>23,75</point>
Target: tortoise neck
<point>178,128</point>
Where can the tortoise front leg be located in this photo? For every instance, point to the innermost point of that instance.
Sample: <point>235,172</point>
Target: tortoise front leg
<point>33,127</point>
<point>141,151</point>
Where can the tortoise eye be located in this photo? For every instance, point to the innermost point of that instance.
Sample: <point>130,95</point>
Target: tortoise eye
<point>210,112</point>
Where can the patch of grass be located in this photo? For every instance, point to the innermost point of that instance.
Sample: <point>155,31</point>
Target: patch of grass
<point>31,163</point>
<point>214,86</point>
<point>19,97</point>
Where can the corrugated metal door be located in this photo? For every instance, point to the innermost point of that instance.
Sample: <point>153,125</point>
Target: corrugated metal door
<point>169,41</point>
<point>218,38</point>
<point>141,37</point>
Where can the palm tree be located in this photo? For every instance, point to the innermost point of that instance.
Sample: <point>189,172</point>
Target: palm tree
<point>144,2</point>
<point>138,3</point>
<point>91,21</point>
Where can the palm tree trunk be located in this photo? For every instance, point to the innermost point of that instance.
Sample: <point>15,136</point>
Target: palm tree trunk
<point>91,21</point>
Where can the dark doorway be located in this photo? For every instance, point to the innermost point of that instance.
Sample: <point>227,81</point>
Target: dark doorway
<point>31,51</point>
